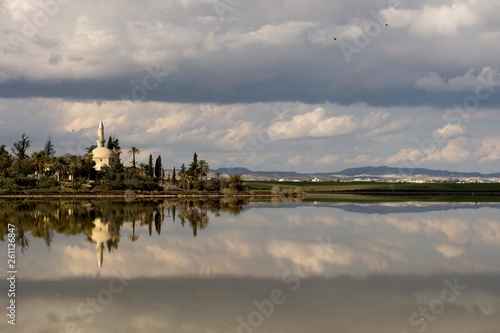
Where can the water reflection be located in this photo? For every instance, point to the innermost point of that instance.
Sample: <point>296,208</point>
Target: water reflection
<point>202,266</point>
<point>260,239</point>
<point>42,219</point>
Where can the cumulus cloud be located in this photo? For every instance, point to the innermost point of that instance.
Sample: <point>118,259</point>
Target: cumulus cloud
<point>488,149</point>
<point>326,159</point>
<point>295,160</point>
<point>451,131</point>
<point>315,124</point>
<point>466,82</point>
<point>442,20</point>
<point>268,35</point>
<point>456,150</point>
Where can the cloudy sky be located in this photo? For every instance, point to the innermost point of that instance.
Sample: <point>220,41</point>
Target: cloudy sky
<point>316,85</point>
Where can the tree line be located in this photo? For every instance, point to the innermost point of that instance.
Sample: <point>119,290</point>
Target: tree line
<point>43,169</point>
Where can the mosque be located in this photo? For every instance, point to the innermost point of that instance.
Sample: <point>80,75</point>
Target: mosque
<point>102,232</point>
<point>103,157</point>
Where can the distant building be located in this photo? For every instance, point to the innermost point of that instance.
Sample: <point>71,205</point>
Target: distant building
<point>103,157</point>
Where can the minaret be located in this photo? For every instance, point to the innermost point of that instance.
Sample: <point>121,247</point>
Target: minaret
<point>100,248</point>
<point>101,233</point>
<point>100,135</point>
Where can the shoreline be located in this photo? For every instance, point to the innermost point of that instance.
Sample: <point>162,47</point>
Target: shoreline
<point>340,195</point>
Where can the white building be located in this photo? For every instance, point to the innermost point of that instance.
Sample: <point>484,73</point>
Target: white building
<point>101,233</point>
<point>103,157</point>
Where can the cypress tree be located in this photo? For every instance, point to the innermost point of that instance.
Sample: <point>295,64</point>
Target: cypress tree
<point>150,166</point>
<point>158,167</point>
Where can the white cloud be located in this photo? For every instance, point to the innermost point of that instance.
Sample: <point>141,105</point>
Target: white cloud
<point>488,149</point>
<point>314,124</point>
<point>413,155</point>
<point>267,35</point>
<point>295,160</point>
<point>332,35</point>
<point>456,150</point>
<point>327,159</point>
<point>451,131</point>
<point>467,82</point>
<point>451,250</point>
<point>363,159</point>
<point>430,20</point>
<point>431,82</point>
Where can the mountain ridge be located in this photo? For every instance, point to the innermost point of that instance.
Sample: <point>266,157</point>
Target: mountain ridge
<point>362,171</point>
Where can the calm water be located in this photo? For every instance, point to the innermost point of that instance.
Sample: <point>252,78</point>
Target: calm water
<point>160,266</point>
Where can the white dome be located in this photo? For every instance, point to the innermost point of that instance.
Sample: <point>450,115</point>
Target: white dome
<point>102,152</point>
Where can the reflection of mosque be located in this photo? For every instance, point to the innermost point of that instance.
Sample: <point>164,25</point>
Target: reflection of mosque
<point>104,232</point>
<point>107,219</point>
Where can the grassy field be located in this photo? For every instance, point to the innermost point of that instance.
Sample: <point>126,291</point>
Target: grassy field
<point>387,192</point>
<point>326,187</point>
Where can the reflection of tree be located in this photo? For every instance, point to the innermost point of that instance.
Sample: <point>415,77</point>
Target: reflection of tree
<point>22,240</point>
<point>197,217</point>
<point>196,211</point>
<point>43,230</point>
<point>133,237</point>
<point>45,219</point>
<point>158,221</point>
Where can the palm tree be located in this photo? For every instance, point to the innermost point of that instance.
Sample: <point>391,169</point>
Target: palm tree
<point>184,180</point>
<point>203,168</point>
<point>39,159</point>
<point>134,151</point>
<point>144,168</point>
<point>74,163</point>
<point>59,165</point>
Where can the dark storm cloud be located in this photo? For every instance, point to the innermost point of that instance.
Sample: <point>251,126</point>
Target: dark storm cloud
<point>291,84</point>
<point>254,52</point>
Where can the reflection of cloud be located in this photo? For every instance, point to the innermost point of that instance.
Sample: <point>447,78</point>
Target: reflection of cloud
<point>405,225</point>
<point>487,231</point>
<point>450,250</point>
<point>148,323</point>
<point>261,241</point>
<point>456,230</point>
<point>479,302</point>
<point>173,259</point>
<point>237,246</point>
<point>311,257</point>
<point>327,220</point>
<point>472,301</point>
<point>210,305</point>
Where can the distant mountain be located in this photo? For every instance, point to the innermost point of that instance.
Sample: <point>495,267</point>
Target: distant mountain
<point>384,170</point>
<point>368,171</point>
<point>245,171</point>
<point>233,171</point>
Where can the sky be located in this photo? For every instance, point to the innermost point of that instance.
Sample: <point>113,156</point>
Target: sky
<point>309,86</point>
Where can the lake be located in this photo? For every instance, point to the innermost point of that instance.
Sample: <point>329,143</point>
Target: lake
<point>236,266</point>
